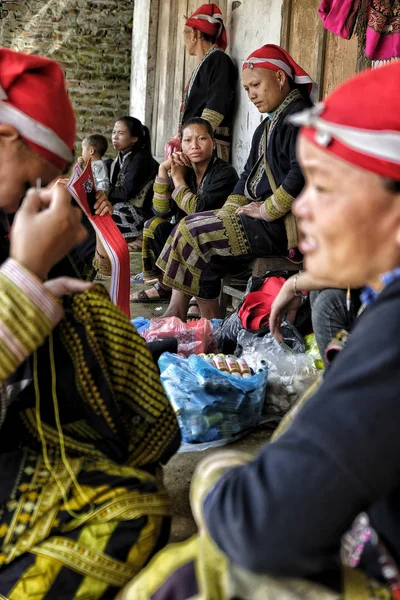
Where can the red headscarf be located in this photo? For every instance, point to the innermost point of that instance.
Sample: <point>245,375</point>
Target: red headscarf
<point>208,19</point>
<point>360,121</point>
<point>275,58</point>
<point>33,99</point>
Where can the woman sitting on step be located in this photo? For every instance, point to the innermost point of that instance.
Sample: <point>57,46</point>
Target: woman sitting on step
<point>200,181</point>
<point>256,220</point>
<point>132,175</point>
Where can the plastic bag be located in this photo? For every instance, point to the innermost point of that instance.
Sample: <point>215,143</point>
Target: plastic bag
<point>211,405</point>
<point>194,337</point>
<point>173,145</point>
<point>140,324</point>
<point>290,374</point>
<point>291,338</point>
<point>227,332</point>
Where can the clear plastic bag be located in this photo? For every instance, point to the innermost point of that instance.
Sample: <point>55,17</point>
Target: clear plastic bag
<point>194,337</point>
<point>211,405</point>
<point>290,374</point>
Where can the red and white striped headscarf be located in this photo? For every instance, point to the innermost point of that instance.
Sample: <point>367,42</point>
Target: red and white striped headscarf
<point>208,19</point>
<point>360,121</point>
<point>275,58</point>
<point>33,99</point>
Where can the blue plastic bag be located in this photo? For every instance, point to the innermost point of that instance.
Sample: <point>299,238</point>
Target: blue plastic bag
<point>141,324</point>
<point>211,405</point>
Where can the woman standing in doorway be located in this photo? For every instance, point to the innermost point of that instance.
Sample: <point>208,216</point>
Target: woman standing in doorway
<point>210,91</point>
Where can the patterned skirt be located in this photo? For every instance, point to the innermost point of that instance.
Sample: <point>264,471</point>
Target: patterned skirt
<point>156,232</point>
<point>128,219</point>
<point>205,246</point>
<point>81,511</point>
<point>82,534</point>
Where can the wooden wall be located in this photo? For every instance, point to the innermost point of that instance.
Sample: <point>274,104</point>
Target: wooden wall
<point>329,59</point>
<point>174,67</point>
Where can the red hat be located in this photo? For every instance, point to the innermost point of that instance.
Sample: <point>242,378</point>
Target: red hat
<point>208,19</point>
<point>275,58</point>
<point>360,121</point>
<point>33,99</point>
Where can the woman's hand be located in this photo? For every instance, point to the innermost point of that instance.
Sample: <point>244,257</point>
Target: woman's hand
<point>164,168</point>
<point>179,158</point>
<point>285,302</point>
<point>66,285</point>
<point>253,209</point>
<point>177,172</point>
<point>60,181</point>
<point>102,205</point>
<point>45,229</point>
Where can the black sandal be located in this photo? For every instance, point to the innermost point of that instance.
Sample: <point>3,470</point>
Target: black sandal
<point>191,316</point>
<point>144,298</point>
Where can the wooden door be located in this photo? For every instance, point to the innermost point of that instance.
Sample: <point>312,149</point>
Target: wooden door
<point>329,59</point>
<point>173,68</point>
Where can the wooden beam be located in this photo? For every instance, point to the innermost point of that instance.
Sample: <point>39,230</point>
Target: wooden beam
<point>286,14</point>
<point>320,62</point>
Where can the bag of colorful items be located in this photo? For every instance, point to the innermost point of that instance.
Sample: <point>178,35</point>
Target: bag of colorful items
<point>194,337</point>
<point>216,398</point>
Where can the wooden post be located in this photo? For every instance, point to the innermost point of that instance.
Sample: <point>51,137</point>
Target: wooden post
<point>285,23</point>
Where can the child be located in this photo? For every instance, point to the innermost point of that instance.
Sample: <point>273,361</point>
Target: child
<point>93,148</point>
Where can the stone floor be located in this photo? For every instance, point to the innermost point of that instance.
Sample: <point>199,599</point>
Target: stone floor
<point>179,471</point>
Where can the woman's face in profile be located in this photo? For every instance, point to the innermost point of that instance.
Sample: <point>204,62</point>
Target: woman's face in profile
<point>349,221</point>
<point>188,34</point>
<point>121,137</point>
<point>20,168</point>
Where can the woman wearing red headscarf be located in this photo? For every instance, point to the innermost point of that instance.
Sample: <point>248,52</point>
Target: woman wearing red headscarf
<point>316,514</point>
<point>81,510</point>
<point>256,220</point>
<point>210,91</point>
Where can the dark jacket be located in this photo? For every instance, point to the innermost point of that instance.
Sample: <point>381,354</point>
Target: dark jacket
<point>285,512</point>
<point>217,183</point>
<point>213,89</point>
<point>281,155</point>
<point>139,168</point>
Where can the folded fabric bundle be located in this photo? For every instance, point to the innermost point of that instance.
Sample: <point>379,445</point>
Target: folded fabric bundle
<point>256,308</point>
<point>339,16</point>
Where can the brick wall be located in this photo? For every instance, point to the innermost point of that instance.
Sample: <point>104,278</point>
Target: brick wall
<point>92,41</point>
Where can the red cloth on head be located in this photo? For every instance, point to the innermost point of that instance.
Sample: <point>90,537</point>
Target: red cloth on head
<point>33,99</point>
<point>360,121</point>
<point>208,19</point>
<point>275,58</point>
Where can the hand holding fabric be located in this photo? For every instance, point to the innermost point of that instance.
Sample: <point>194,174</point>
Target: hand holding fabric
<point>66,285</point>
<point>102,205</point>
<point>46,228</point>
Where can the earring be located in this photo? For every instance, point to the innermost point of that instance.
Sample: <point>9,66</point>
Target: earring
<point>281,89</point>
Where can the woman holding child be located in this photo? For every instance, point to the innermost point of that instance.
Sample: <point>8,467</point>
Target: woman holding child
<point>256,219</point>
<point>199,180</point>
<point>132,176</point>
